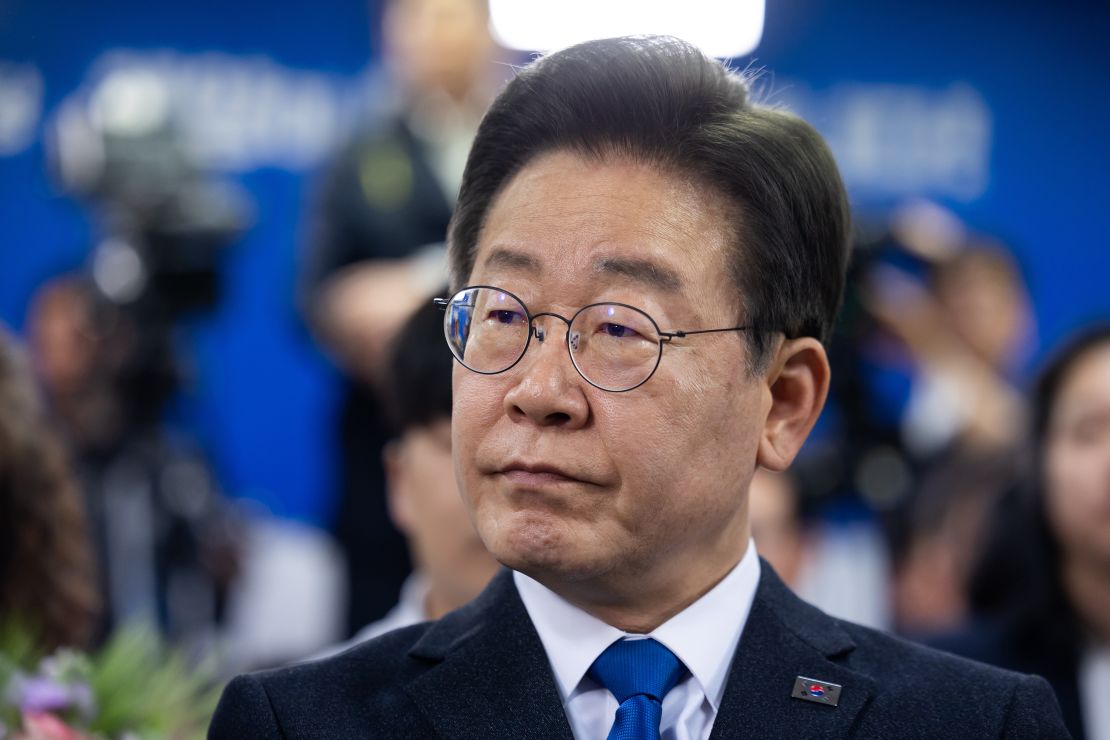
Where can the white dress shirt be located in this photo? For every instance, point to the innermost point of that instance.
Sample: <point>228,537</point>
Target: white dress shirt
<point>704,636</point>
<point>1094,677</point>
<point>409,610</point>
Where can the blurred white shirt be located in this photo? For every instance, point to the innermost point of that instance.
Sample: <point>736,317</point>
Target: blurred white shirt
<point>409,610</point>
<point>1094,677</point>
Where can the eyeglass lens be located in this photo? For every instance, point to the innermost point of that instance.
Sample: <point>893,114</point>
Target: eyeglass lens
<point>614,347</point>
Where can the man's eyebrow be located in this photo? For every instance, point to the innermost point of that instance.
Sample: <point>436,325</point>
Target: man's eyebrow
<point>505,257</point>
<point>642,271</point>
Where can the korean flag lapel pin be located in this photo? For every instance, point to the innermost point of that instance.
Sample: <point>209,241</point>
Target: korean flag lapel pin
<point>815,690</point>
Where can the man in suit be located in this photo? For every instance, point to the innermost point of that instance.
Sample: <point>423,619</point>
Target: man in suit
<point>650,263</point>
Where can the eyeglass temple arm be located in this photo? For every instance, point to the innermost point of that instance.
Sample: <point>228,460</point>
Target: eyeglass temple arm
<point>669,335</point>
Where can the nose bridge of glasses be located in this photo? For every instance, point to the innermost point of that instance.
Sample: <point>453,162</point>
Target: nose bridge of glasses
<point>540,333</point>
<point>538,330</point>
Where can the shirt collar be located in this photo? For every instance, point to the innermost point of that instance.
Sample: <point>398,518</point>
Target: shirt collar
<point>704,635</point>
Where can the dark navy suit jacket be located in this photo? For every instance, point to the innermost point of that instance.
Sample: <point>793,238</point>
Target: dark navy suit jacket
<point>998,641</point>
<point>481,672</point>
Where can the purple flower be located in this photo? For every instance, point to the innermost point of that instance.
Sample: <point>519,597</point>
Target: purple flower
<point>43,695</point>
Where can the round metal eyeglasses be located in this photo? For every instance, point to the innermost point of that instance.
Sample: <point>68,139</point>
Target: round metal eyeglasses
<point>613,346</point>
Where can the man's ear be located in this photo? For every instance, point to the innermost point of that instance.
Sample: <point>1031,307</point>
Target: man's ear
<point>798,381</point>
<point>396,485</point>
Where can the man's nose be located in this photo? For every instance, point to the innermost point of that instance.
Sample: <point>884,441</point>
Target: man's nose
<point>549,391</point>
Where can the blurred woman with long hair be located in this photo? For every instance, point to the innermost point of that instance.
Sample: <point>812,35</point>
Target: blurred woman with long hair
<point>1041,591</point>
<point>47,571</point>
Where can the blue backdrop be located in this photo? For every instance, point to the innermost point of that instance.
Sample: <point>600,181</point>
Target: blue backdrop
<point>998,110</point>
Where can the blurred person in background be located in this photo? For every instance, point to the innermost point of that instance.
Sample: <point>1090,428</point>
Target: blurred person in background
<point>841,571</point>
<point>162,534</point>
<point>967,327</point>
<point>1041,589</point>
<point>452,565</point>
<point>47,566</point>
<point>925,413</point>
<point>377,250</point>
<point>108,345</point>
<point>776,520</point>
<point>936,536</point>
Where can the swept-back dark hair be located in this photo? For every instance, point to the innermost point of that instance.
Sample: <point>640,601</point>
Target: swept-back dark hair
<point>1018,574</point>
<point>418,384</point>
<point>660,101</point>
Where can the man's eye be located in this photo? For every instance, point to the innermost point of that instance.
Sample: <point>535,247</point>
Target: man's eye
<point>506,317</point>
<point>618,330</point>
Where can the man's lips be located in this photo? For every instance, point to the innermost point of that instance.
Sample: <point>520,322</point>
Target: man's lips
<point>532,474</point>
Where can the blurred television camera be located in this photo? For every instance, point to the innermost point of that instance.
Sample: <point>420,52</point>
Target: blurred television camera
<point>110,353</point>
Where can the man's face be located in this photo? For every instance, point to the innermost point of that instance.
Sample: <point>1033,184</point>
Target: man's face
<point>611,495</point>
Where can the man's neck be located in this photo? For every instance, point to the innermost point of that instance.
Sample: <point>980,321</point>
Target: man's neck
<point>630,607</point>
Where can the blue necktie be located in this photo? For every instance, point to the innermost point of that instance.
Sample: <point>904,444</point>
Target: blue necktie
<point>639,673</point>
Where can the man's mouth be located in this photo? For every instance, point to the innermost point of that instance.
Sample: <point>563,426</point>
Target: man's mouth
<point>538,474</point>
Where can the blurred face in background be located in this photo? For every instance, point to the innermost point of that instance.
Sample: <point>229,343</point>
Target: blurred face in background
<point>425,505</point>
<point>62,337</point>
<point>985,301</point>
<point>440,45</point>
<point>1077,461</point>
<point>775,522</point>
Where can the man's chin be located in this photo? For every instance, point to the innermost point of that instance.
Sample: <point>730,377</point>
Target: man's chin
<point>548,565</point>
<point>530,558</point>
<point>539,544</point>
<point>539,559</point>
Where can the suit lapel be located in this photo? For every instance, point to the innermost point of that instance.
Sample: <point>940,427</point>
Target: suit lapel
<point>489,675</point>
<point>785,638</point>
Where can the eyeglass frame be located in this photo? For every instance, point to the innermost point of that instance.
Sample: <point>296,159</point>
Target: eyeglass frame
<point>665,337</point>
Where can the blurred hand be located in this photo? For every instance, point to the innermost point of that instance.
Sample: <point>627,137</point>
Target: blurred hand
<point>363,306</point>
<point>992,412</point>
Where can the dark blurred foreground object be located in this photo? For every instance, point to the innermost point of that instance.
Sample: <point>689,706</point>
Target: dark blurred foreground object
<point>47,567</point>
<point>377,250</point>
<point>108,347</point>
<point>1041,591</point>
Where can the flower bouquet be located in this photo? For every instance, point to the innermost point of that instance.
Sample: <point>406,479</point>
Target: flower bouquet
<point>131,688</point>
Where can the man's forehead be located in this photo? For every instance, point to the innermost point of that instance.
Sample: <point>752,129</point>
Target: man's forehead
<point>595,223</point>
<point>643,270</point>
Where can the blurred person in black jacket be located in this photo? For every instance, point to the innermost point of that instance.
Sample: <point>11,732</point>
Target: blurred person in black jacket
<point>377,249</point>
<point>164,537</point>
<point>1041,590</point>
